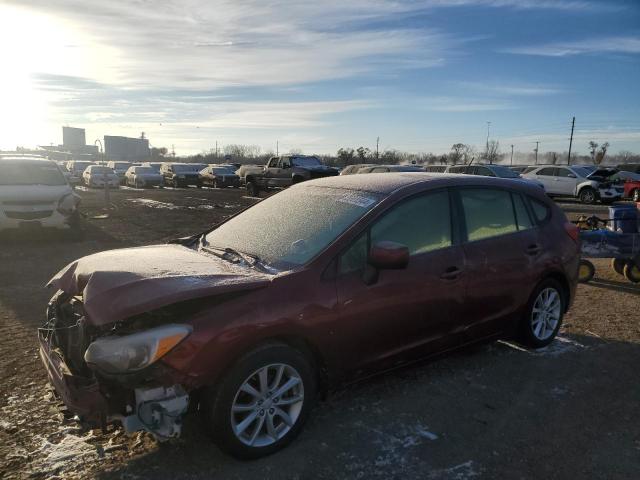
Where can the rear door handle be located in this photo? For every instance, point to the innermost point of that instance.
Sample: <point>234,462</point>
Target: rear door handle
<point>533,249</point>
<point>451,273</point>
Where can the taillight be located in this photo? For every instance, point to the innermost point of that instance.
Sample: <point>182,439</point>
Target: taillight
<point>573,231</point>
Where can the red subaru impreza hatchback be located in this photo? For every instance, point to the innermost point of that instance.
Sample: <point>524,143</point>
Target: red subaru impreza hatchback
<point>321,284</point>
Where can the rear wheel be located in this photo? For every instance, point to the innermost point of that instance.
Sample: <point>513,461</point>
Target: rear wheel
<point>544,314</point>
<point>617,264</point>
<point>632,272</point>
<point>586,271</point>
<point>262,403</point>
<point>587,195</point>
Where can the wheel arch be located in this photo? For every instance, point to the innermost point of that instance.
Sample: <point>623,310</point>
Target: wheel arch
<point>561,278</point>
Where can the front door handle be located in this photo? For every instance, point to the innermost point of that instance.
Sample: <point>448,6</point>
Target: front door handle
<point>451,273</point>
<point>533,249</point>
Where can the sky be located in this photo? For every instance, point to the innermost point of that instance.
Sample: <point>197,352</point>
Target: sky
<point>317,76</point>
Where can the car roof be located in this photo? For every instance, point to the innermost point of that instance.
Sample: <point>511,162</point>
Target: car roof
<point>387,183</point>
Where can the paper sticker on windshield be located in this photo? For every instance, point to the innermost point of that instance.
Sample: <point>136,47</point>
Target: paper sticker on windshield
<point>355,199</point>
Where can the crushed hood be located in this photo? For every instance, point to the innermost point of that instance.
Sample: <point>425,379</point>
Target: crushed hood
<point>118,284</point>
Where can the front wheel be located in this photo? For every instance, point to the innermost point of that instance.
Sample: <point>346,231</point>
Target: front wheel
<point>617,264</point>
<point>586,271</point>
<point>262,403</point>
<point>587,195</point>
<point>544,314</point>
<point>252,189</point>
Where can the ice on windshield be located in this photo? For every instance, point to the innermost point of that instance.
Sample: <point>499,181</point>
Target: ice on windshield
<point>24,172</point>
<point>295,225</point>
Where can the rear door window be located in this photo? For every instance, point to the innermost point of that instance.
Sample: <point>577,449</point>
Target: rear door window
<point>547,172</point>
<point>487,213</point>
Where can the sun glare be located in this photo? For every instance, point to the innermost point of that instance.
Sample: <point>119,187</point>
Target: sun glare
<point>32,44</point>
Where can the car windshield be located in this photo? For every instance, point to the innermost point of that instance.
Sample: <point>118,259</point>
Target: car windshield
<point>100,170</point>
<point>24,172</point>
<point>306,161</point>
<point>182,168</point>
<point>295,224</point>
<point>144,170</point>
<point>504,172</point>
<point>582,171</point>
<point>222,171</point>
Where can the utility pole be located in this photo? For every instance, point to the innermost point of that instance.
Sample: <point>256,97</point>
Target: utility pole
<point>216,150</point>
<point>536,150</point>
<point>377,144</point>
<point>488,125</point>
<point>277,149</point>
<point>511,154</point>
<point>573,123</point>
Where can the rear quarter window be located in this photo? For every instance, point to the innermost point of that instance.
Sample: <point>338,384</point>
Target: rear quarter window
<point>487,213</point>
<point>541,212</point>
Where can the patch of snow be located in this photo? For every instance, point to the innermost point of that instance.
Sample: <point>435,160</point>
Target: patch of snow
<point>426,434</point>
<point>66,455</point>
<point>147,202</point>
<point>459,472</point>
<point>559,346</point>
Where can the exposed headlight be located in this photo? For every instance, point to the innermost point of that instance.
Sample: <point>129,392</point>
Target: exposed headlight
<point>119,354</point>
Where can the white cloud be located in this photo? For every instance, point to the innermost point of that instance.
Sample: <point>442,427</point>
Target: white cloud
<point>459,104</point>
<point>625,45</point>
<point>512,89</point>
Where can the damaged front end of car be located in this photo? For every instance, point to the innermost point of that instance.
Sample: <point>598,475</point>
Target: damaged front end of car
<point>107,374</point>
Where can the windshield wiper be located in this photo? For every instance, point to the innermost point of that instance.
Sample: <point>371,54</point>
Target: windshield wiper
<point>228,253</point>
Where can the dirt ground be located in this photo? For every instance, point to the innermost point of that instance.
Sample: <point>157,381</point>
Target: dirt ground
<point>570,411</point>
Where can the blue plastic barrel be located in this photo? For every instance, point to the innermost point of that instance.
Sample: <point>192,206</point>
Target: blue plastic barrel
<point>625,218</point>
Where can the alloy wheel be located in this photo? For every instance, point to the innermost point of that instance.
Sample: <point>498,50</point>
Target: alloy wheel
<point>267,405</point>
<point>546,313</point>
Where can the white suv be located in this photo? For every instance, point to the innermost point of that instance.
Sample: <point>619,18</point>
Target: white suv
<point>573,181</point>
<point>34,193</point>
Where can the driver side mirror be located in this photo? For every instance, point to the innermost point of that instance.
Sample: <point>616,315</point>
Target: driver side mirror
<point>385,255</point>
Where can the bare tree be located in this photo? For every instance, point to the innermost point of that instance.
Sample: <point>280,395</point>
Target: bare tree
<point>363,153</point>
<point>601,153</point>
<point>468,154</point>
<point>551,158</point>
<point>345,156</point>
<point>457,150</point>
<point>492,152</point>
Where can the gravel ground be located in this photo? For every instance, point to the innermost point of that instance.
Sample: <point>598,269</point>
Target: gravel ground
<point>494,411</point>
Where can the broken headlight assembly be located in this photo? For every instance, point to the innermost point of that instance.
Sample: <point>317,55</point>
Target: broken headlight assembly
<point>128,353</point>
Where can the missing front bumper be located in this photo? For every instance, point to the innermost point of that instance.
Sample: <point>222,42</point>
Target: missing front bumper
<point>158,411</point>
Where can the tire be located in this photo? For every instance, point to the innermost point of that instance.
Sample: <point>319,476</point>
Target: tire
<point>586,271</point>
<point>253,442</point>
<point>252,189</point>
<point>632,272</point>
<point>617,265</point>
<point>532,334</point>
<point>587,195</point>
<point>635,195</point>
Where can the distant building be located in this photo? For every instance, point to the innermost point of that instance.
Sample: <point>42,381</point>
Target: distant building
<point>73,137</point>
<point>73,146</point>
<point>127,149</point>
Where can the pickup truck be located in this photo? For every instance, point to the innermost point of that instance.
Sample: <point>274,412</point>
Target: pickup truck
<point>284,171</point>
